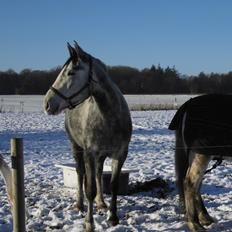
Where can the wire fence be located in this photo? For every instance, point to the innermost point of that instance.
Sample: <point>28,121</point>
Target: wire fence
<point>21,103</point>
<point>34,103</point>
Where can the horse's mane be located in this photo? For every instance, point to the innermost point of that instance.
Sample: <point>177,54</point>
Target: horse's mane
<point>96,60</point>
<point>99,67</point>
<point>103,66</point>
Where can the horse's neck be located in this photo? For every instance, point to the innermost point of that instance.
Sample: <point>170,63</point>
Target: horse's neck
<point>106,93</point>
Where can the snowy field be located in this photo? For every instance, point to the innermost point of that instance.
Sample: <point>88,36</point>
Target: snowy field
<point>34,103</point>
<point>51,205</point>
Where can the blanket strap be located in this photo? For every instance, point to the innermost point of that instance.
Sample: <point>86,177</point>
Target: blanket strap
<point>217,163</point>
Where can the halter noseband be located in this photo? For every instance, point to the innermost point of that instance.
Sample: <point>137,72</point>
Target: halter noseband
<point>72,105</point>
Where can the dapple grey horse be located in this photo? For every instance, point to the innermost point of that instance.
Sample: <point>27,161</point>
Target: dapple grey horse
<point>98,123</point>
<point>203,128</point>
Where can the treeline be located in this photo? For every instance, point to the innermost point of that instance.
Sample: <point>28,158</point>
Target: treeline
<point>27,81</point>
<point>154,80</point>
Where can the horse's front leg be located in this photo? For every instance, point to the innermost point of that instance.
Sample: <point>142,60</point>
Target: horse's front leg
<point>80,170</point>
<point>116,170</point>
<point>90,189</point>
<point>101,205</point>
<point>192,185</point>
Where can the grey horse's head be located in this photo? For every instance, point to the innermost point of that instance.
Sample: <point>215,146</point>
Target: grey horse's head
<point>71,87</point>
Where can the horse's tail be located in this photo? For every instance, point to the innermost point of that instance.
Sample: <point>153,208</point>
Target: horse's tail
<point>181,164</point>
<point>177,120</point>
<point>181,151</point>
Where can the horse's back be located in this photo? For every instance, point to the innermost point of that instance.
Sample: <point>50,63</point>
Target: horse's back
<point>207,124</point>
<point>211,110</point>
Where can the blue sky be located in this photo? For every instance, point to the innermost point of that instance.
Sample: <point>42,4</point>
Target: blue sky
<point>193,36</point>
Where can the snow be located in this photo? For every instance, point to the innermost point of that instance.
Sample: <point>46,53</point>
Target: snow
<point>51,206</point>
<point>34,103</point>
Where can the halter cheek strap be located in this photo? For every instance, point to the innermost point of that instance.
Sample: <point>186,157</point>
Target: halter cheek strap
<point>68,100</point>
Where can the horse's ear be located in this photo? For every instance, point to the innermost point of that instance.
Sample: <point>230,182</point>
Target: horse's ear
<point>72,52</point>
<point>81,53</point>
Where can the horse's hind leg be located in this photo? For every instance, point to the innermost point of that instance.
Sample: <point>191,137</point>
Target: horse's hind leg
<point>114,183</point>
<point>80,169</point>
<point>181,167</point>
<point>90,189</point>
<point>203,215</point>
<point>192,185</point>
<point>99,197</point>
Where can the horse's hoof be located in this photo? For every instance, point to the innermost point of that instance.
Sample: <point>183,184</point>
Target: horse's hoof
<point>196,227</point>
<point>102,208</point>
<point>113,221</point>
<point>102,211</point>
<point>80,207</point>
<point>205,219</point>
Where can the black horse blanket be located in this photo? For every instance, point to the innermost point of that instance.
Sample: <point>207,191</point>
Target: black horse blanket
<point>208,124</point>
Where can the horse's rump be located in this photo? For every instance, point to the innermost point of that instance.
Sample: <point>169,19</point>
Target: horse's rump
<point>178,117</point>
<point>208,124</point>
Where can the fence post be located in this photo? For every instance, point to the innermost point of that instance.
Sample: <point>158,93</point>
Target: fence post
<point>1,107</point>
<point>21,106</point>
<point>18,185</point>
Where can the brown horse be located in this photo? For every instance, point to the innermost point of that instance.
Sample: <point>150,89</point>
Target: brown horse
<point>203,128</point>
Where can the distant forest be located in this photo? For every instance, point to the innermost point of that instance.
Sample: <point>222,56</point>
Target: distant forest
<point>154,80</point>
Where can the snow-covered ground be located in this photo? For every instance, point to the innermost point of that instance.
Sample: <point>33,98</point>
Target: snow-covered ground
<point>52,206</point>
<point>34,103</point>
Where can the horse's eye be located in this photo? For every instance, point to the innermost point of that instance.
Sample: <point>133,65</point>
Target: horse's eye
<point>76,67</point>
<point>71,73</point>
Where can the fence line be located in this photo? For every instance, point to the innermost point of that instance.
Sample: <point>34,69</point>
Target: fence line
<point>34,103</point>
<point>21,103</point>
